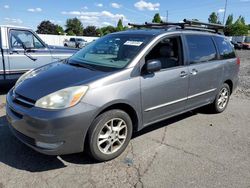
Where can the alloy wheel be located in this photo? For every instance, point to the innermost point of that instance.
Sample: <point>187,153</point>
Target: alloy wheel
<point>223,98</point>
<point>112,136</point>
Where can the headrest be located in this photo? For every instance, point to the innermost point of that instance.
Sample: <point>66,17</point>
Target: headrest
<point>166,51</point>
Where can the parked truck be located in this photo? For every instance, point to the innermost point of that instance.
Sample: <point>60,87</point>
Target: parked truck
<point>75,43</point>
<point>21,49</point>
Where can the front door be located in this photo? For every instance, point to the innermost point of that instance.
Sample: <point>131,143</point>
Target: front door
<point>35,55</point>
<point>164,93</point>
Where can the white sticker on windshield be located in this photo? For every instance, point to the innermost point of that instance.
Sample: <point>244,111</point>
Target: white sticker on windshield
<point>133,43</point>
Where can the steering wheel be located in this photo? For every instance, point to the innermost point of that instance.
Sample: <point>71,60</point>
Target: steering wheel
<point>16,44</point>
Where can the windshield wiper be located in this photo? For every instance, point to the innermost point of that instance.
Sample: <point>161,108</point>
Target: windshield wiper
<point>84,65</point>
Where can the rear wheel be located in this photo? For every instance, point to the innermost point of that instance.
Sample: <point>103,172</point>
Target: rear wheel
<point>109,135</point>
<point>222,98</point>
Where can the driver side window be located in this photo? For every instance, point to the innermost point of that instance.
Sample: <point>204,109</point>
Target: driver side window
<point>20,39</point>
<point>168,51</point>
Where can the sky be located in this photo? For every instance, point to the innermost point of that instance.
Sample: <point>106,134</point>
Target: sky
<point>101,13</point>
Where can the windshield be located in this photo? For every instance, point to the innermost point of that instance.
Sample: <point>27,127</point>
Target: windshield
<point>79,40</point>
<point>113,51</point>
<point>247,39</point>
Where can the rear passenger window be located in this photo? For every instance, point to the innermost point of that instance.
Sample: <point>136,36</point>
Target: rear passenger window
<point>201,48</point>
<point>226,51</point>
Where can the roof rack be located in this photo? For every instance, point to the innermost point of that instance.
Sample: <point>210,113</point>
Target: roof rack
<point>186,24</point>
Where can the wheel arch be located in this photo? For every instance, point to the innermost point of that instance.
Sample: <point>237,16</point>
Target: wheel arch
<point>230,84</point>
<point>128,108</point>
<point>121,105</point>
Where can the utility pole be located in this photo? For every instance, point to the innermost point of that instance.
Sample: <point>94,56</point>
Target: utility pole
<point>225,10</point>
<point>166,15</point>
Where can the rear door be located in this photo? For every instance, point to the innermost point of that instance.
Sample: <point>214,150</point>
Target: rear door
<point>36,55</point>
<point>164,93</point>
<point>204,69</point>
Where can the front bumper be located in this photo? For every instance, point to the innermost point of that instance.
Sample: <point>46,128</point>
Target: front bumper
<point>41,129</point>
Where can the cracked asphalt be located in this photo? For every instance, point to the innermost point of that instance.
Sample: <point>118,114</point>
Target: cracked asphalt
<point>196,149</point>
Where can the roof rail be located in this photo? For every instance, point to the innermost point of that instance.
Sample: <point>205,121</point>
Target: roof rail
<point>186,24</point>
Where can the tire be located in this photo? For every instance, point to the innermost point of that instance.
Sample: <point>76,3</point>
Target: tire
<point>220,103</point>
<point>103,137</point>
<point>65,45</point>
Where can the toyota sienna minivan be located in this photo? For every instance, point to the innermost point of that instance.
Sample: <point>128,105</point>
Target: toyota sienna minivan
<point>120,84</point>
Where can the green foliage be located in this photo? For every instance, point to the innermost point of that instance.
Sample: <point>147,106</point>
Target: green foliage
<point>230,19</point>
<point>157,18</point>
<point>108,29</point>
<point>47,27</point>
<point>59,30</point>
<point>90,31</point>
<point>71,33</point>
<point>99,32</point>
<point>241,20</point>
<point>120,26</point>
<point>213,18</point>
<point>125,28</point>
<point>238,28</point>
<point>74,26</point>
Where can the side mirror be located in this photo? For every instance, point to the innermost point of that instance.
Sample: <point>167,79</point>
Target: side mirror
<point>153,65</point>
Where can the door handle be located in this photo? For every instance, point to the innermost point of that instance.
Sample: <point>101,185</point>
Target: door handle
<point>194,71</point>
<point>13,52</point>
<point>183,74</point>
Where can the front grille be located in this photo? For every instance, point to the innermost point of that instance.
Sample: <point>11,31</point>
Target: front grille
<point>23,137</point>
<point>20,116</point>
<point>23,101</point>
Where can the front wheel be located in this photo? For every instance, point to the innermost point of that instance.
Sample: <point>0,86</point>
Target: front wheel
<point>222,98</point>
<point>109,135</point>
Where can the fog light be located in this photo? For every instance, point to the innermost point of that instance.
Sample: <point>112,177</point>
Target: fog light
<point>48,145</point>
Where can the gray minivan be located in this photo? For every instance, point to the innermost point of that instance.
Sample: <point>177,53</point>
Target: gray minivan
<point>95,99</point>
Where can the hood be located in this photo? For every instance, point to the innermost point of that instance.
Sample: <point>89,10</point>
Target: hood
<point>56,76</point>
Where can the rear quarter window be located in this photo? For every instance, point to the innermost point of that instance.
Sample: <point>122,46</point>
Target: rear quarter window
<point>226,50</point>
<point>201,48</point>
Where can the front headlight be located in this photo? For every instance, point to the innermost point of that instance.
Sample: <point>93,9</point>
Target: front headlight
<point>63,98</point>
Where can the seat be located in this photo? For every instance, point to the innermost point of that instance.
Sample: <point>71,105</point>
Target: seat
<point>166,57</point>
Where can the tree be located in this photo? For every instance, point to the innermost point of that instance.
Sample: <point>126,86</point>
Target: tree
<point>90,31</point>
<point>99,32</point>
<point>241,20</point>
<point>213,18</point>
<point>230,19</point>
<point>59,30</point>
<point>46,27</point>
<point>108,29</point>
<point>120,25</point>
<point>74,26</point>
<point>229,23</point>
<point>238,28</point>
<point>126,27</point>
<point>157,18</point>
<point>71,33</point>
